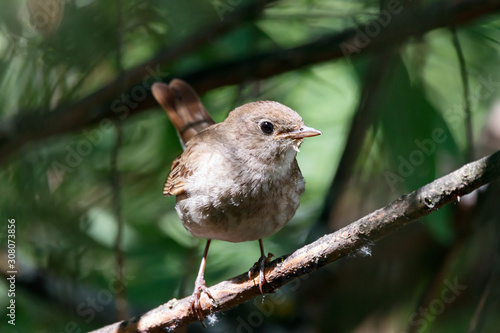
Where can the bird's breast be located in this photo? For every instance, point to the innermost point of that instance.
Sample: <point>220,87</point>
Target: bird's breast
<point>238,203</point>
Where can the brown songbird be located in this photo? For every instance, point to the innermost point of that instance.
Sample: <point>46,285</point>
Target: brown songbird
<point>237,180</point>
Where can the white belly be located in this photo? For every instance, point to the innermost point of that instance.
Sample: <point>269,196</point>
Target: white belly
<point>258,209</point>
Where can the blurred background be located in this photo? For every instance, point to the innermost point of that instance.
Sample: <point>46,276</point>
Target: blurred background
<point>403,91</point>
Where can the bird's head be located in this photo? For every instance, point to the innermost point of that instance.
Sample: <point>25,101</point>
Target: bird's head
<point>268,128</point>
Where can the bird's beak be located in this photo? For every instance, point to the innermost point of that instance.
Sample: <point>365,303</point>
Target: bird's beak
<point>301,133</point>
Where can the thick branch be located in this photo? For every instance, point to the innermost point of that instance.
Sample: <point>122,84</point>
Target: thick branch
<point>325,250</point>
<point>38,124</point>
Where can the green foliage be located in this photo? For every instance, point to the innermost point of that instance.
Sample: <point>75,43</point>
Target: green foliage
<point>59,189</point>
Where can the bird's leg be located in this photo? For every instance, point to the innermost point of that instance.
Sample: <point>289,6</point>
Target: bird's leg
<point>199,287</point>
<point>261,264</point>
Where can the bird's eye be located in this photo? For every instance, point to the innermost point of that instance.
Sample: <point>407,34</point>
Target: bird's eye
<point>267,127</point>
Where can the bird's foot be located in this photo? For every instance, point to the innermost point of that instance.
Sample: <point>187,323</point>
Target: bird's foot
<point>260,265</point>
<point>200,287</point>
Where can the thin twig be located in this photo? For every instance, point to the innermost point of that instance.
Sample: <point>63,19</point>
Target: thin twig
<point>323,251</point>
<point>478,316</point>
<point>469,155</point>
<point>121,300</point>
<point>120,297</point>
<point>377,74</point>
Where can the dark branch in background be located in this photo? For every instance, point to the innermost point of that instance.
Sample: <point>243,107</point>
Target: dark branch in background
<point>121,299</point>
<point>474,324</point>
<point>465,83</point>
<point>60,292</point>
<point>325,250</point>
<point>121,295</point>
<point>34,125</point>
<point>410,22</point>
<point>377,74</point>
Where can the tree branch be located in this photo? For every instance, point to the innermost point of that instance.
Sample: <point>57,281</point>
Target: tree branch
<point>33,125</point>
<point>325,250</point>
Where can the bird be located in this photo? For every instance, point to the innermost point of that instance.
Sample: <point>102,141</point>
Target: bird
<point>237,180</point>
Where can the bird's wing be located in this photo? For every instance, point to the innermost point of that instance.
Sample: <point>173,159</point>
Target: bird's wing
<point>202,153</point>
<point>174,185</point>
<point>184,166</point>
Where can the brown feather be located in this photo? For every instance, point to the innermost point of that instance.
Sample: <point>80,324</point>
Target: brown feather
<point>189,117</point>
<point>182,168</point>
<point>173,186</point>
<point>183,107</point>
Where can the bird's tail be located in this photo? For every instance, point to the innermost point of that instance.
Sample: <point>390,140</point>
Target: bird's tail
<point>183,107</point>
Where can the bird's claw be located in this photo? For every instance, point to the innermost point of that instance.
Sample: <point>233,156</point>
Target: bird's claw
<point>195,305</point>
<point>260,264</point>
